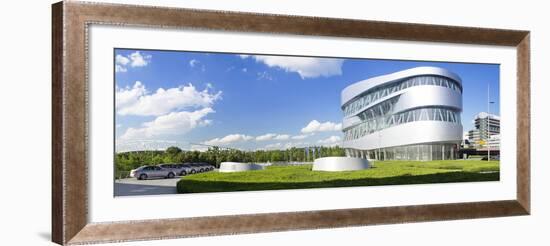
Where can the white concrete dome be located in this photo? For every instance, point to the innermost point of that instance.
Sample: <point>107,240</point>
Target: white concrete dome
<point>229,167</point>
<point>338,163</point>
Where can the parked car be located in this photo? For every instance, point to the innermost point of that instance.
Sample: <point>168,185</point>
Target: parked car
<point>202,167</point>
<point>193,168</point>
<point>133,172</point>
<point>208,167</point>
<point>188,168</point>
<point>146,172</point>
<point>179,169</point>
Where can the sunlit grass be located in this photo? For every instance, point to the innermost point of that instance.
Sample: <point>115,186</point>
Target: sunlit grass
<point>382,173</point>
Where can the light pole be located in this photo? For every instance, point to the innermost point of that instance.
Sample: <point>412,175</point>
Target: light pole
<point>379,144</point>
<point>488,124</point>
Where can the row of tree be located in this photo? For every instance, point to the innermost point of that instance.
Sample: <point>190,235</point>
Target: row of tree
<point>126,161</point>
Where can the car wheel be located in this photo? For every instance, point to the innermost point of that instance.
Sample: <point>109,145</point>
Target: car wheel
<point>171,175</point>
<point>193,171</point>
<point>142,176</point>
<point>183,173</point>
<point>202,170</point>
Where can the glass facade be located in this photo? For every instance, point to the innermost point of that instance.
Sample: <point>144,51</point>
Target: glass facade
<point>383,121</point>
<point>376,93</point>
<point>419,152</point>
<point>374,110</point>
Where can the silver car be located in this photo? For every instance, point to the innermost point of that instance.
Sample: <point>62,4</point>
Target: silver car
<point>179,169</point>
<point>146,172</point>
<point>207,167</point>
<point>201,167</point>
<point>187,168</point>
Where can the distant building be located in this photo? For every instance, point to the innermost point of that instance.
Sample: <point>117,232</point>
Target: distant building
<point>474,138</point>
<point>481,124</point>
<point>481,136</point>
<point>494,142</point>
<point>465,141</point>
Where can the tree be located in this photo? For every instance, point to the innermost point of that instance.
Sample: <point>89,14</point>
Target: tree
<point>173,150</point>
<point>130,160</point>
<point>157,159</point>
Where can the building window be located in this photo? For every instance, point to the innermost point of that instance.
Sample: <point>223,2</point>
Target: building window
<point>379,92</point>
<point>373,122</point>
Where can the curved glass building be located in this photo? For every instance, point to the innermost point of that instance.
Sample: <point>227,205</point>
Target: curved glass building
<point>412,114</point>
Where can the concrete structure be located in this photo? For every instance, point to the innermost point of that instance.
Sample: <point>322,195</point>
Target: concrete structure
<point>229,167</point>
<point>494,142</point>
<point>340,164</point>
<point>486,132</point>
<point>484,120</point>
<point>474,138</point>
<point>413,114</point>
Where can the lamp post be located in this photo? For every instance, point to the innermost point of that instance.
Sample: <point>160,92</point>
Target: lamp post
<point>488,122</point>
<point>379,144</point>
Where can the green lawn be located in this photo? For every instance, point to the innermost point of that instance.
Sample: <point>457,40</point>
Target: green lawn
<point>382,173</point>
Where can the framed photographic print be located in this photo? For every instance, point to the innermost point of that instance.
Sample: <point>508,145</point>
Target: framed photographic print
<point>185,123</point>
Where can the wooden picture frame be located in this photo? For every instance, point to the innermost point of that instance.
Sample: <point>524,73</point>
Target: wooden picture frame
<point>70,223</point>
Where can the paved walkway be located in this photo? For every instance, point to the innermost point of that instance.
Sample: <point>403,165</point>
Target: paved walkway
<point>134,187</point>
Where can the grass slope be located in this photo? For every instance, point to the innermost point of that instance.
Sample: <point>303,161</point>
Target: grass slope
<point>382,173</point>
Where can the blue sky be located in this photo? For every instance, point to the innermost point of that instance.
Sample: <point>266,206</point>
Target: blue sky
<point>166,98</point>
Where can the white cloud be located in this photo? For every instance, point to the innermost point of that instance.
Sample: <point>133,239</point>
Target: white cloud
<point>266,137</point>
<point>306,67</point>
<point>121,60</point>
<point>145,144</point>
<point>229,139</point>
<point>282,137</point>
<point>135,59</point>
<point>316,126</point>
<point>127,97</point>
<point>120,69</point>
<point>332,140</point>
<point>244,70</point>
<point>272,136</point>
<point>139,60</point>
<point>264,75</point>
<point>120,63</point>
<point>193,63</point>
<point>284,145</point>
<point>138,101</point>
<point>296,144</point>
<point>175,123</point>
<point>301,136</point>
<point>199,148</point>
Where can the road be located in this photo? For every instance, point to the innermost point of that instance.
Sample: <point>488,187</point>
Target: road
<point>134,187</point>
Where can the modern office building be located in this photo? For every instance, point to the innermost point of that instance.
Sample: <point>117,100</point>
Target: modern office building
<point>494,142</point>
<point>484,120</point>
<point>412,114</point>
<point>474,138</point>
<point>486,132</point>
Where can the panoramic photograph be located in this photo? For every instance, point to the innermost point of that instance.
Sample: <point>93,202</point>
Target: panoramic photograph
<point>199,122</point>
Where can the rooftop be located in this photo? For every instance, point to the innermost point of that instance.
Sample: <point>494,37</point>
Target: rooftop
<point>484,115</point>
